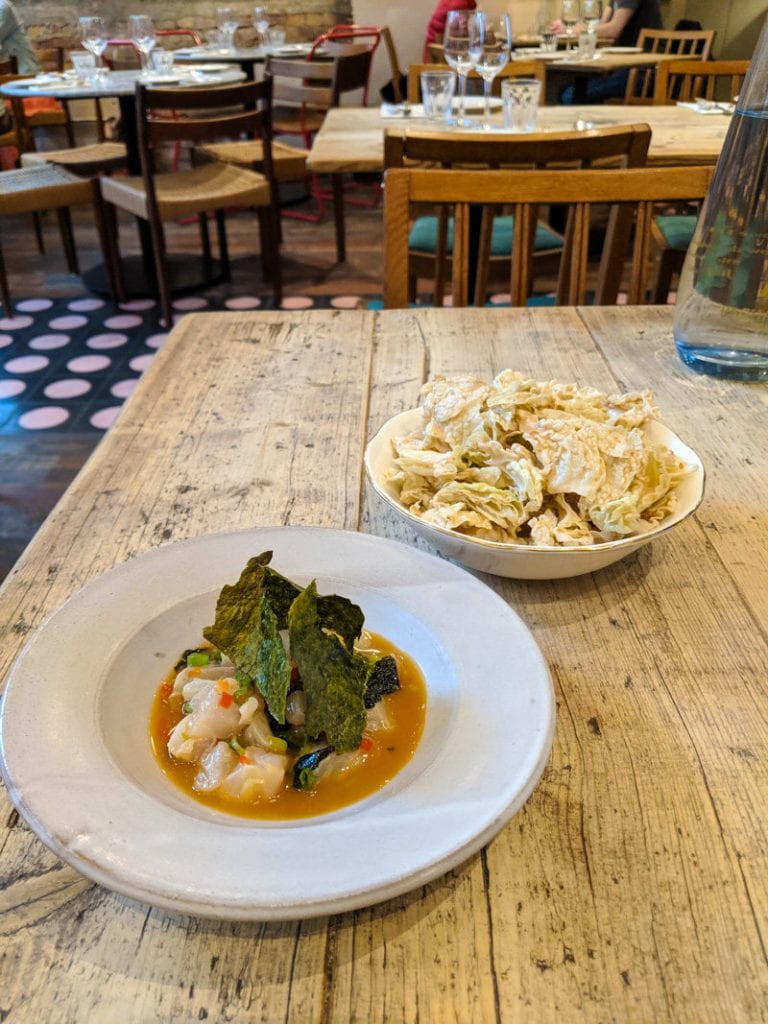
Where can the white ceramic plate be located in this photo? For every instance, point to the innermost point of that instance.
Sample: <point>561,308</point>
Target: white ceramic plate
<point>75,754</point>
<point>209,68</point>
<point>526,561</point>
<point>620,49</point>
<point>292,49</point>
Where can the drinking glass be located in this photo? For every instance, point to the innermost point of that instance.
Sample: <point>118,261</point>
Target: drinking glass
<point>490,39</point>
<point>93,32</point>
<point>227,22</point>
<point>456,49</point>
<point>520,103</point>
<point>142,36</point>
<point>261,22</point>
<point>592,13</point>
<point>570,17</point>
<point>437,89</point>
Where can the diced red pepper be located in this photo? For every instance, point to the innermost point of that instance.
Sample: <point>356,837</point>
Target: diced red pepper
<point>226,700</point>
<point>366,744</point>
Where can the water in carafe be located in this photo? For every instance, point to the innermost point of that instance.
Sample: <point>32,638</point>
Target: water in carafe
<point>721,314</point>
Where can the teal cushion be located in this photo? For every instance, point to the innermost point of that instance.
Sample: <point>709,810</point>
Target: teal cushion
<point>677,229</point>
<point>423,236</point>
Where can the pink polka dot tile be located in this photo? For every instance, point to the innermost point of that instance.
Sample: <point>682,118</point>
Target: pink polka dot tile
<point>190,302</point>
<point>156,340</point>
<point>48,342</point>
<point>346,302</point>
<point>106,341</point>
<point>297,302</point>
<point>26,364</point>
<point>34,305</point>
<point>74,387</point>
<point>243,302</point>
<point>88,364</point>
<point>15,323</point>
<point>104,418</point>
<point>123,321</point>
<point>68,323</point>
<point>123,388</point>
<point>11,388</point>
<point>137,305</point>
<point>140,363</point>
<point>85,305</point>
<point>6,340</point>
<point>44,418</point>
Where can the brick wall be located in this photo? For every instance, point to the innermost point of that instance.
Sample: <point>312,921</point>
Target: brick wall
<point>54,22</point>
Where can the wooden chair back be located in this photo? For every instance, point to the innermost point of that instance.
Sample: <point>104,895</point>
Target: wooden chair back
<point>184,36</point>
<point>513,69</point>
<point>638,189</point>
<point>121,54</point>
<point>50,58</point>
<point>685,42</point>
<point>688,80</point>
<point>9,66</point>
<point>622,146</point>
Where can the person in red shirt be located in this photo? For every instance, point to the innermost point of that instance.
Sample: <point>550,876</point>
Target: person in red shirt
<point>436,25</point>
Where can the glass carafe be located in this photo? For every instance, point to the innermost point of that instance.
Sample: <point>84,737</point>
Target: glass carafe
<point>721,314</point>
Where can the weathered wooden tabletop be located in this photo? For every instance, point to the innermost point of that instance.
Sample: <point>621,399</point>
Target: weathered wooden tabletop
<point>351,139</point>
<point>632,885</point>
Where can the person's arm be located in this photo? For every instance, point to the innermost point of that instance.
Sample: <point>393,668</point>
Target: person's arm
<point>612,29</point>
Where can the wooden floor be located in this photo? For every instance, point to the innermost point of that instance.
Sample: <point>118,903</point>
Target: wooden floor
<point>37,467</point>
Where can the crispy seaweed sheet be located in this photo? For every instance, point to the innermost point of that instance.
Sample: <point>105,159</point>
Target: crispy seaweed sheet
<point>339,683</point>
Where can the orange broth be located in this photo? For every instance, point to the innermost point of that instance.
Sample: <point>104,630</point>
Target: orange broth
<point>391,749</point>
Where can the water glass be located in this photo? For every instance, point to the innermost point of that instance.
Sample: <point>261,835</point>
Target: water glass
<point>162,61</point>
<point>275,38</point>
<point>587,45</point>
<point>84,64</point>
<point>437,89</point>
<point>548,42</point>
<point>520,102</point>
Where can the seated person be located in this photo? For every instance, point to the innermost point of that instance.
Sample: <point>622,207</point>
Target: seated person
<point>436,26</point>
<point>620,26</point>
<point>14,43</point>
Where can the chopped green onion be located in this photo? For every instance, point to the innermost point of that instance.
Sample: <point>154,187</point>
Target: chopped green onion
<point>277,745</point>
<point>236,747</point>
<point>243,678</point>
<point>216,656</point>
<point>307,778</point>
<point>242,694</point>
<point>186,707</point>
<point>197,659</point>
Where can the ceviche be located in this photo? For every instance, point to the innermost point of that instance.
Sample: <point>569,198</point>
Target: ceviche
<point>289,707</point>
<point>535,462</point>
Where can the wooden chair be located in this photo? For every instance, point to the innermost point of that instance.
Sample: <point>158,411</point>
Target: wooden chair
<point>344,39</point>
<point>688,80</point>
<point>641,81</point>
<point>214,186</point>
<point>8,66</point>
<point>638,189</point>
<point>304,90</point>
<point>513,69</point>
<point>35,189</point>
<point>430,236</point>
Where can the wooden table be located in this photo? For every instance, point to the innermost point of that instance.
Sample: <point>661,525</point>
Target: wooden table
<point>351,139</point>
<point>633,885</point>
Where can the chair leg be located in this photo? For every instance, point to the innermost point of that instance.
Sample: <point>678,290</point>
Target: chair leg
<point>5,294</point>
<point>221,232</point>
<point>205,236</point>
<point>161,271</point>
<point>337,187</point>
<point>670,262</point>
<point>270,251</point>
<point>116,291</point>
<point>37,220</point>
<point>68,240</point>
<point>112,241</point>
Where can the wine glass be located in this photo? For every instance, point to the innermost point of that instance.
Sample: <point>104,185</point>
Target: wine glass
<point>490,39</point>
<point>227,22</point>
<point>261,22</point>
<point>592,13</point>
<point>93,32</point>
<point>456,49</point>
<point>142,36</point>
<point>570,17</point>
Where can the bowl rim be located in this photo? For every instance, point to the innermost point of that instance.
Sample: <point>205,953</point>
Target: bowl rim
<point>578,550</point>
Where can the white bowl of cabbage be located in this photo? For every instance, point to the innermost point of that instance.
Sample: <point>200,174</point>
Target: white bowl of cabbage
<point>533,479</point>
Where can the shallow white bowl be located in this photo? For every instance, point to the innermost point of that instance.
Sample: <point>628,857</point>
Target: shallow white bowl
<point>526,561</point>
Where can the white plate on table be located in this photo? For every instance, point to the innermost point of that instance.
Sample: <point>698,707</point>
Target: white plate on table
<point>292,50</point>
<point>210,68</point>
<point>476,104</point>
<point>159,79</point>
<point>76,758</point>
<point>620,49</point>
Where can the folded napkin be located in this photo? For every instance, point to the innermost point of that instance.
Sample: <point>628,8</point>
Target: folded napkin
<point>707,107</point>
<point>402,110</point>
